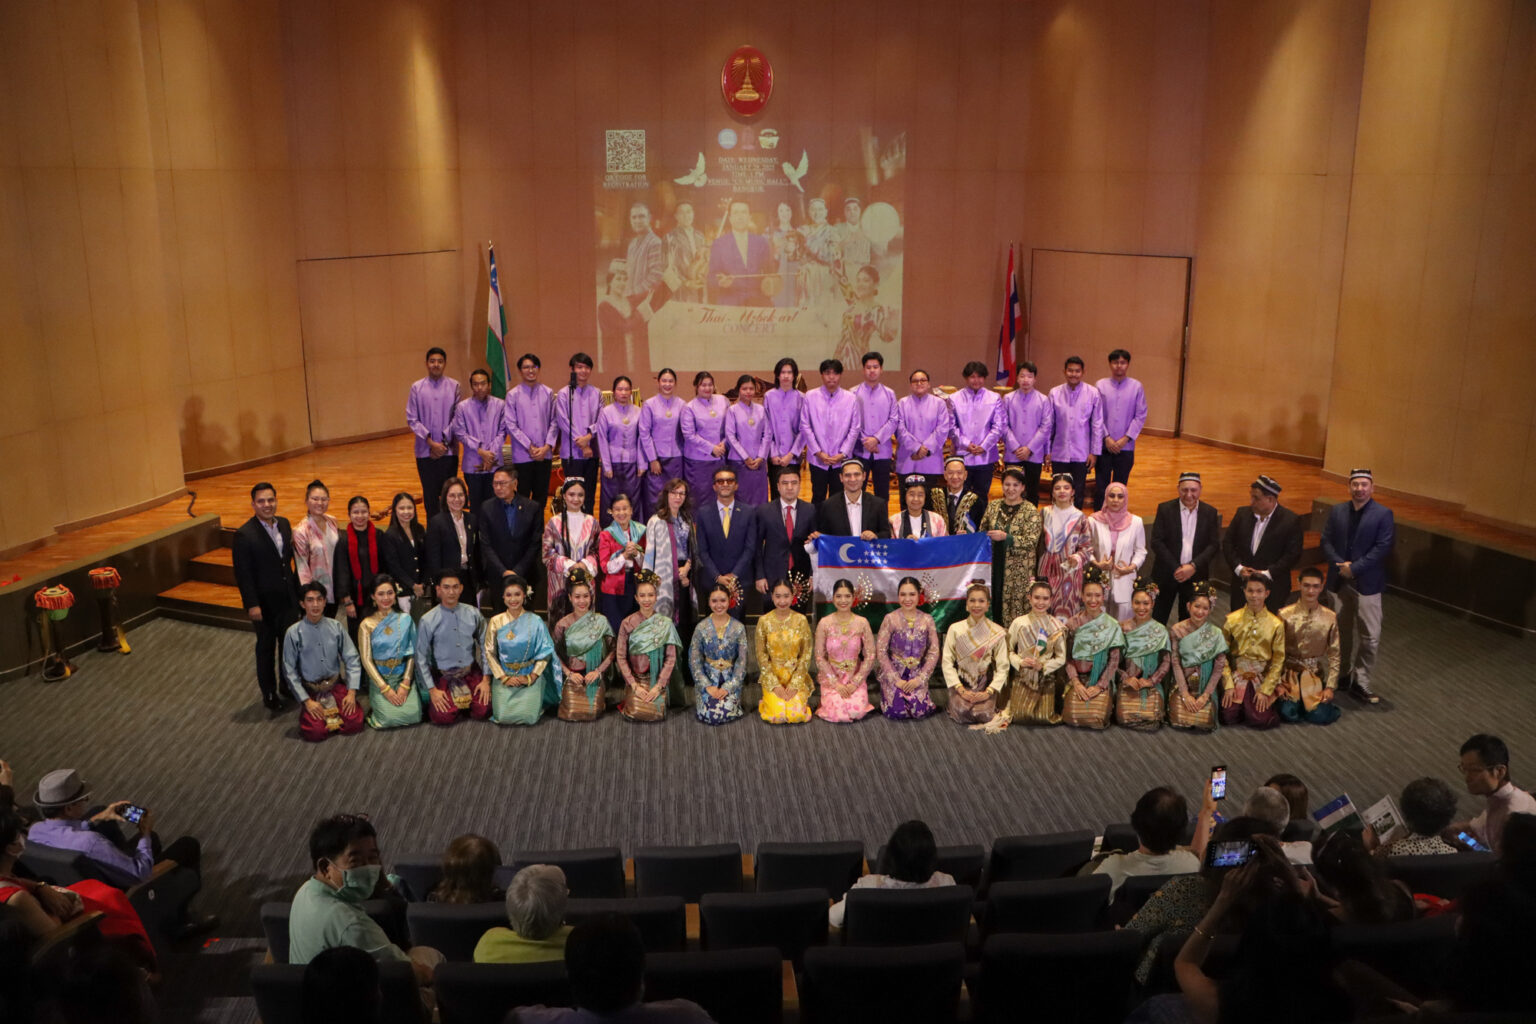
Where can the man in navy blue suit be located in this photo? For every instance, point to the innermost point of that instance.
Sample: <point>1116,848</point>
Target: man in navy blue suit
<point>783,527</point>
<point>1357,541</point>
<point>727,540</point>
<point>510,528</point>
<point>738,259</point>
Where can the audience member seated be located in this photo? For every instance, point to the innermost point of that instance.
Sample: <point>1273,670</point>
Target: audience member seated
<point>1301,825</point>
<point>1485,768</point>
<point>328,908</point>
<point>1428,806</point>
<point>1490,965</point>
<point>62,800</point>
<point>1518,861</point>
<point>104,985</point>
<point>605,961</point>
<point>341,986</point>
<point>1183,901</point>
<point>469,869</point>
<point>1361,891</point>
<point>536,910</point>
<point>1268,805</point>
<point>911,861</point>
<point>1159,820</point>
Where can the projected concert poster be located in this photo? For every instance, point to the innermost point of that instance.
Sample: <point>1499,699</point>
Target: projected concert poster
<point>746,244</point>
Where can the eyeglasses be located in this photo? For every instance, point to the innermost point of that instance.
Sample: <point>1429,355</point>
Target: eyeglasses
<point>1474,769</point>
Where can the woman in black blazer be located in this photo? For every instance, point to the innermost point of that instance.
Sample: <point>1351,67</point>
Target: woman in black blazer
<point>405,548</point>
<point>444,549</point>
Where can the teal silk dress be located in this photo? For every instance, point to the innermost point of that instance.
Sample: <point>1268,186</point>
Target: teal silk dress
<point>519,647</point>
<point>718,658</point>
<point>386,645</point>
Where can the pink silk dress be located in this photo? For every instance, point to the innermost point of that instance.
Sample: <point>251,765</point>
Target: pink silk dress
<point>845,653</point>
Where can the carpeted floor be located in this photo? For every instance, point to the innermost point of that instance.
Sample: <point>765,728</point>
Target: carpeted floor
<point>176,726</point>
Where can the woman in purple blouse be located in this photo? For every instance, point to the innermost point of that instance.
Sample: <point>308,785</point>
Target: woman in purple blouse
<point>704,442</point>
<point>618,444</point>
<point>746,432</point>
<point>907,650</point>
<point>661,440</point>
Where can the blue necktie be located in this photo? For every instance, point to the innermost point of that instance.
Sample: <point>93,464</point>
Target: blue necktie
<point>511,510</point>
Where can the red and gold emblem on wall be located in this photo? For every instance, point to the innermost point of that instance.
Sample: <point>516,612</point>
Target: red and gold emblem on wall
<point>746,81</point>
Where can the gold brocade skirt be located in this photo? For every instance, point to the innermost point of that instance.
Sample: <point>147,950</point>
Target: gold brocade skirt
<point>1034,702</point>
<point>1139,709</point>
<point>1181,717</point>
<point>1085,714</point>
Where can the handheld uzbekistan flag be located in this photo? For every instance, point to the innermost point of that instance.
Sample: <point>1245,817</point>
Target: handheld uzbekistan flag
<point>495,334</point>
<point>944,565</point>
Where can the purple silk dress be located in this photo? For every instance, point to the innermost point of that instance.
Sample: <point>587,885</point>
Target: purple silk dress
<point>746,434</point>
<point>618,445</point>
<point>661,440</point>
<point>703,428</point>
<point>906,652</point>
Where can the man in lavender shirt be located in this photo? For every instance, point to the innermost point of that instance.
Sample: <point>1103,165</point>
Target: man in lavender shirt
<point>576,425</point>
<point>1077,427</point>
<point>478,424</point>
<point>783,405</point>
<point>830,423</point>
<point>1027,429</point>
<point>530,421</point>
<point>877,414</point>
<point>978,427</point>
<point>923,424</point>
<point>1124,405</point>
<point>429,413</point>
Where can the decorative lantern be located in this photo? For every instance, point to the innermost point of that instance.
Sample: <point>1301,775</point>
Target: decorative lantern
<point>53,604</point>
<point>106,580</point>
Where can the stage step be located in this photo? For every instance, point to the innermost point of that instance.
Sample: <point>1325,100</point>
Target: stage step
<point>211,604</point>
<point>216,566</point>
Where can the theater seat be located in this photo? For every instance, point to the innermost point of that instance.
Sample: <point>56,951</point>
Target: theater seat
<point>483,993</point>
<point>736,986</point>
<point>1444,875</point>
<point>1132,896</point>
<point>1050,905</point>
<point>274,925</point>
<point>590,874</point>
<point>1064,979</point>
<point>453,929</point>
<point>662,920</point>
<point>962,863</point>
<point>1414,954</point>
<point>687,871</point>
<point>791,921</point>
<point>1121,837</point>
<point>832,866</point>
<point>843,985</point>
<point>279,992</point>
<point>1049,855</point>
<point>419,873</point>
<point>907,917</point>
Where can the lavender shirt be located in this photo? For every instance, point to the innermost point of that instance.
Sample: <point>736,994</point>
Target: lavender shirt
<point>618,441</point>
<point>479,425</point>
<point>1124,405</point>
<point>877,413</point>
<point>429,412</point>
<point>746,431</point>
<point>1027,418</point>
<point>589,402</point>
<point>1077,423</point>
<point>661,428</point>
<point>978,420</point>
<point>530,419</point>
<point>124,869</point>
<point>830,423</point>
<point>783,409</point>
<point>704,427</point>
<point>922,422</point>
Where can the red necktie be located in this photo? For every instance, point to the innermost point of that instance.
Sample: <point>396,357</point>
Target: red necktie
<point>789,523</point>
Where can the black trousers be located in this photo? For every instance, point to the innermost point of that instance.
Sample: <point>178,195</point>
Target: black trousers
<point>978,480</point>
<point>1111,468</point>
<point>1079,471</point>
<point>1031,482</point>
<point>880,480</point>
<point>533,480</point>
<point>434,473</point>
<point>276,617</point>
<point>479,485</point>
<point>584,468</point>
<point>823,483</point>
<point>1168,593</point>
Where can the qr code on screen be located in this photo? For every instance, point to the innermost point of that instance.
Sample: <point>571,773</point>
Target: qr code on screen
<point>626,151</point>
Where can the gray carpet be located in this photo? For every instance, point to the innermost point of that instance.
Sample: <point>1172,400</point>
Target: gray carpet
<point>177,726</point>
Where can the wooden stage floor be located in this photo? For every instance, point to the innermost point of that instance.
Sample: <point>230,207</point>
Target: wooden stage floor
<point>382,467</point>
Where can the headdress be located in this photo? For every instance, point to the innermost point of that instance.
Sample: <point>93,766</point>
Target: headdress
<point>1267,484</point>
<point>1361,473</point>
<point>1093,574</point>
<point>647,576</point>
<point>578,573</point>
<point>1189,475</point>
<point>1203,588</point>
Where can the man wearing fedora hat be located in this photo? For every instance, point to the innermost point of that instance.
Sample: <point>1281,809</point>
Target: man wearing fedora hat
<point>62,799</point>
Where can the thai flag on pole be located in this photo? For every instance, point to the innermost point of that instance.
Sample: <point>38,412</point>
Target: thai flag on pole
<point>1008,331</point>
<point>944,566</point>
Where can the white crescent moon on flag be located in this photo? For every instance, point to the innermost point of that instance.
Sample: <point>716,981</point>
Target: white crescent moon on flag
<point>842,553</point>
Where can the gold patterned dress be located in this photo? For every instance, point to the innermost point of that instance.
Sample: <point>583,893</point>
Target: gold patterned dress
<point>1033,697</point>
<point>784,650</point>
<point>1013,571</point>
<point>975,660</point>
<point>1311,664</point>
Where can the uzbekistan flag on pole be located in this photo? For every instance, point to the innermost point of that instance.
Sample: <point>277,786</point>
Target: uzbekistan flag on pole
<point>495,333</point>
<point>1008,331</point>
<point>944,565</point>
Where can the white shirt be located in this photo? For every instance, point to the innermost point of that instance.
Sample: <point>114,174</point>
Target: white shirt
<point>1260,523</point>
<point>855,512</point>
<point>1187,518</point>
<point>917,522</point>
<point>1120,866</point>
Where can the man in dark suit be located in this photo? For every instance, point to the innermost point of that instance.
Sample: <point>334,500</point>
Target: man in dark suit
<point>783,527</point>
<point>510,528</point>
<point>1263,540</point>
<point>855,512</point>
<point>269,585</point>
<point>1357,541</point>
<point>727,533</point>
<point>738,259</point>
<point>1186,534</point>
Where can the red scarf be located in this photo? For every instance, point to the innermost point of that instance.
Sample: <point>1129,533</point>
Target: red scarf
<point>357,567</point>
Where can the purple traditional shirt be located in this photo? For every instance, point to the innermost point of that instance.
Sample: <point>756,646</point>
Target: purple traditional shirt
<point>830,423</point>
<point>618,435</point>
<point>530,419</point>
<point>704,427</point>
<point>783,407</point>
<point>1027,419</point>
<point>1077,423</point>
<point>877,415</point>
<point>978,420</point>
<point>479,425</point>
<point>589,402</point>
<point>922,422</point>
<point>123,869</point>
<point>661,428</point>
<point>429,411</point>
<point>746,431</point>
<point>1124,405</point>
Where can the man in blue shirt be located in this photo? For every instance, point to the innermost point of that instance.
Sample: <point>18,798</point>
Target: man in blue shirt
<point>1357,541</point>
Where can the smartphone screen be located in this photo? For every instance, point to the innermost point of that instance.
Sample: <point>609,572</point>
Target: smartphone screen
<point>133,813</point>
<point>1219,782</point>
<point>1231,854</point>
<point>1471,841</point>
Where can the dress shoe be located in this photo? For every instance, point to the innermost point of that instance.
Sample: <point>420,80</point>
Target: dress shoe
<point>196,924</point>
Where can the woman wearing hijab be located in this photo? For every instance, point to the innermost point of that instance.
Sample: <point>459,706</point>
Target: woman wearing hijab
<point>1068,548</point>
<point>1119,548</point>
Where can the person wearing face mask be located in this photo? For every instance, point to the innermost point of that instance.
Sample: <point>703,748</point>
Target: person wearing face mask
<point>328,908</point>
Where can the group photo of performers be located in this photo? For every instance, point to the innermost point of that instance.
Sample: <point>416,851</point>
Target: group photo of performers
<point>568,543</point>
